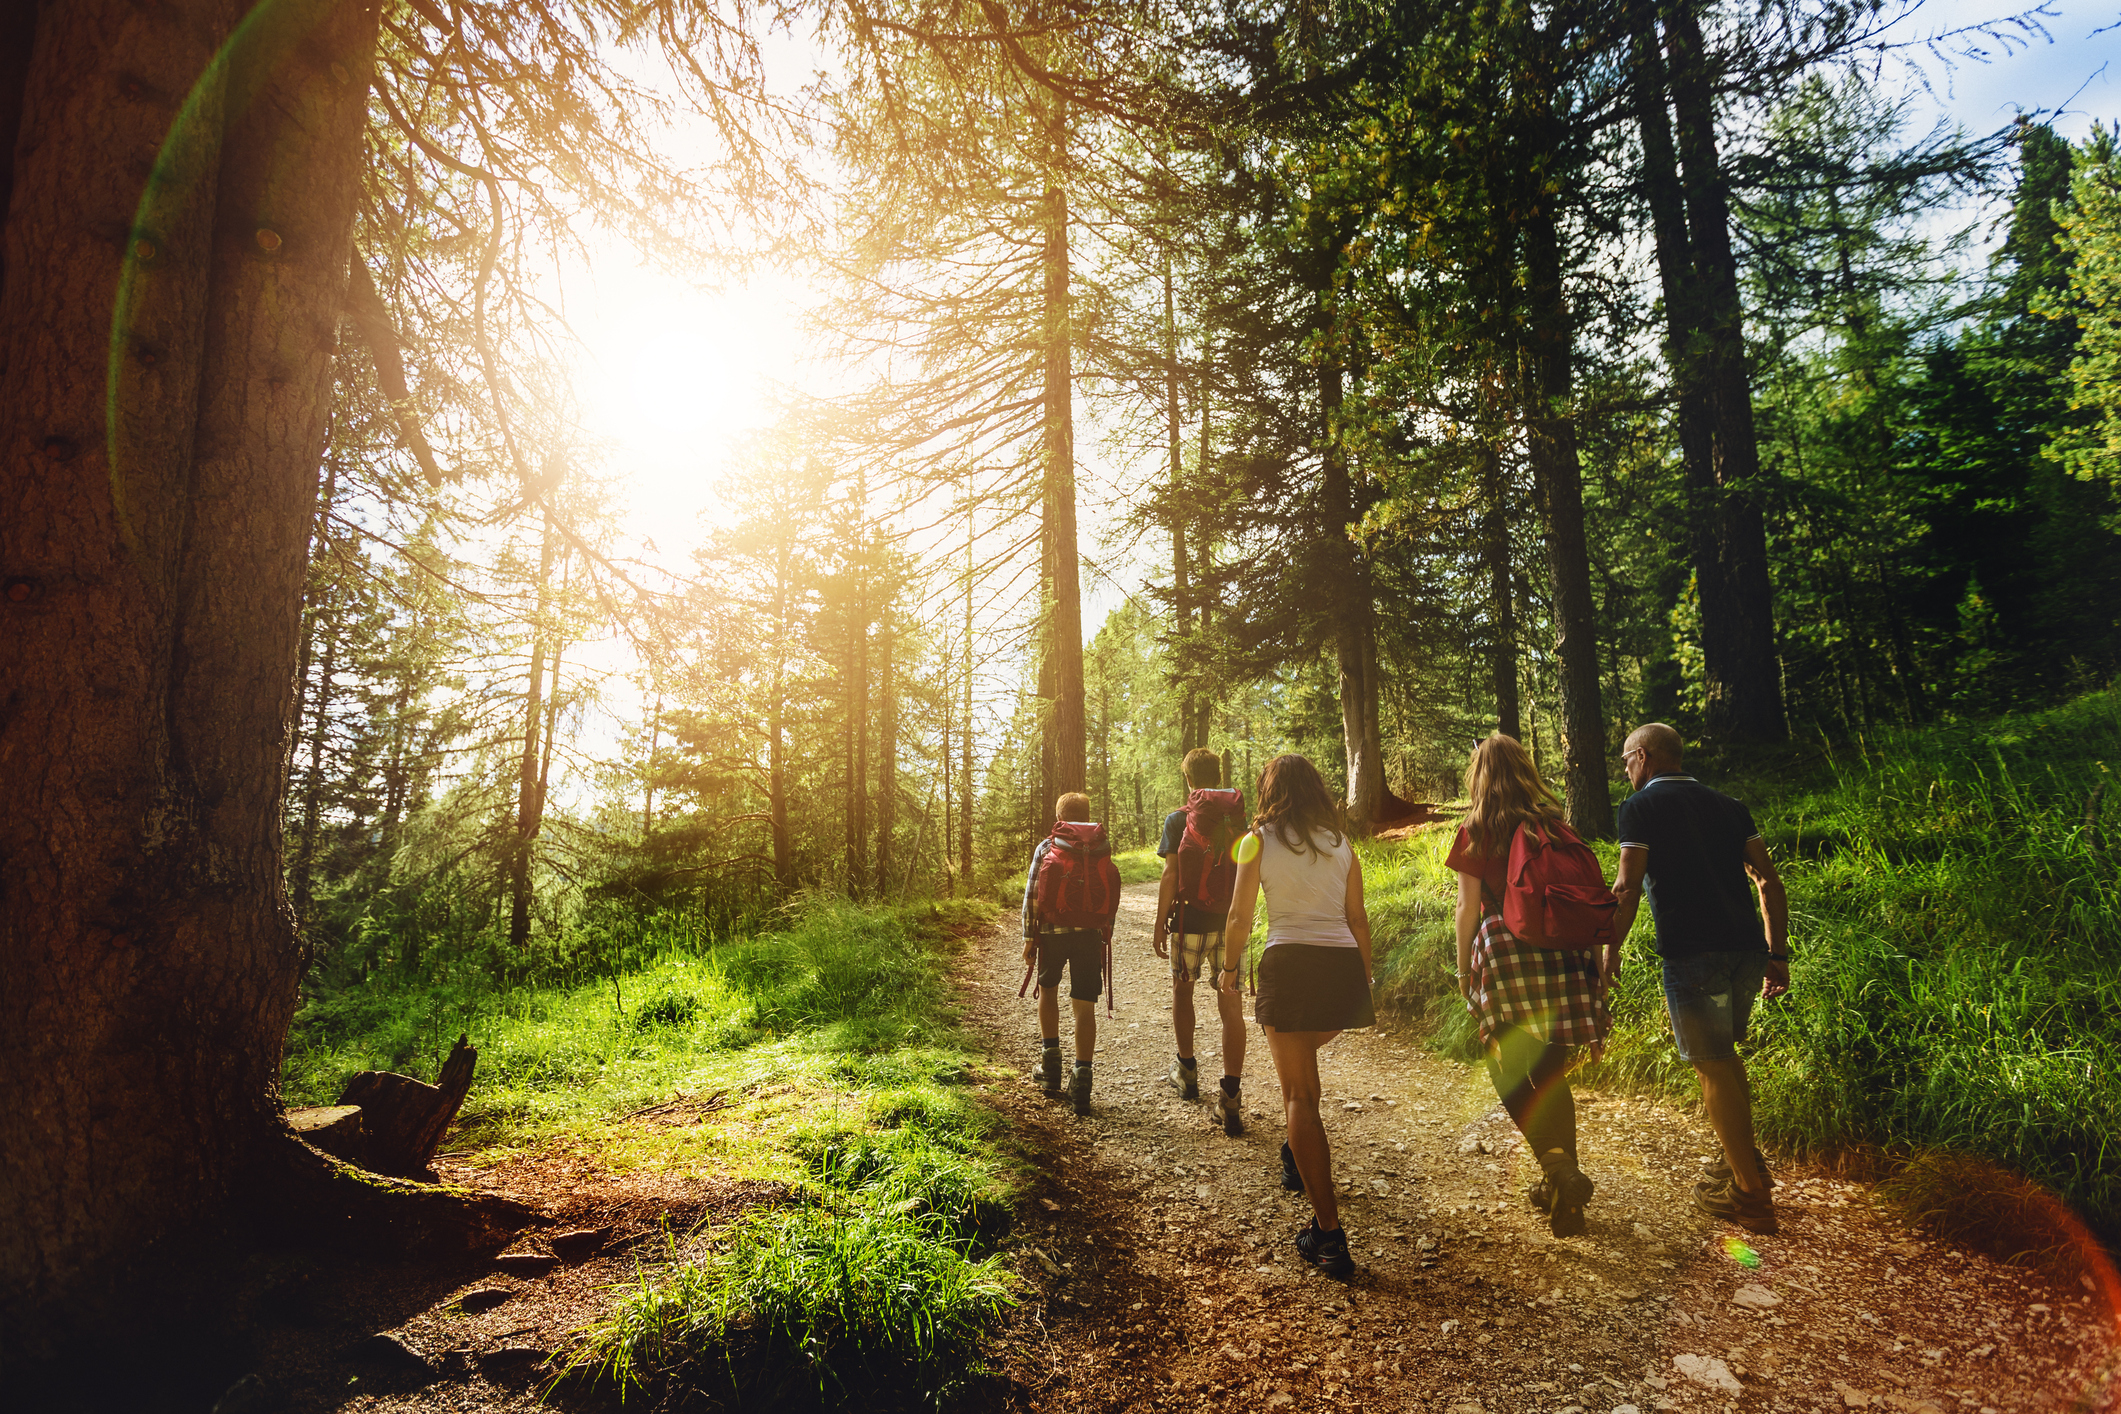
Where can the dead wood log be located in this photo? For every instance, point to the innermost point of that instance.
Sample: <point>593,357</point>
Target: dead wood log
<point>336,1129</point>
<point>405,1119</point>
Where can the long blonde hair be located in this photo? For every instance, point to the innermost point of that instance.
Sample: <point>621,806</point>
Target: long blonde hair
<point>1505,791</point>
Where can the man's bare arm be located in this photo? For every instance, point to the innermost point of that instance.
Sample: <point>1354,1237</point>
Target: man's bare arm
<point>1774,899</point>
<point>1166,890</point>
<point>1627,887</point>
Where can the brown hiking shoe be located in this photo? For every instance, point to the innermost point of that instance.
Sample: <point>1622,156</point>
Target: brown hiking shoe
<point>1727,1202</point>
<point>1718,1170</point>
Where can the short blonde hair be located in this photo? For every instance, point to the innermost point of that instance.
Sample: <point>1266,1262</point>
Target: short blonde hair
<point>1203,768</point>
<point>1074,807</point>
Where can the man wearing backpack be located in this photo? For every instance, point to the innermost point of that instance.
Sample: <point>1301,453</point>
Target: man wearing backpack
<point>1695,852</point>
<point>1192,904</point>
<point>1070,900</point>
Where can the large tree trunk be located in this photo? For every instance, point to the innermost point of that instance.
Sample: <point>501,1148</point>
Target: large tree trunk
<point>176,246</point>
<point>1353,613</point>
<point>886,755</point>
<point>1684,351</point>
<point>1555,468</point>
<point>1744,681</point>
<point>964,727</point>
<point>530,796</point>
<point>776,721</point>
<point>1181,596</point>
<point>1066,729</point>
<point>1495,546</point>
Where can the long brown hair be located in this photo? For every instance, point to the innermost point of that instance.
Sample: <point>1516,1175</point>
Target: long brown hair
<point>1295,804</point>
<point>1505,791</point>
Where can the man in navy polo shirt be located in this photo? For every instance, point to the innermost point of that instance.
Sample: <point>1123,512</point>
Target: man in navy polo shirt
<point>1695,852</point>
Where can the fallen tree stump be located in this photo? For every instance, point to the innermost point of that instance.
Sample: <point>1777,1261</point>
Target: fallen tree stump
<point>336,1129</point>
<point>405,1118</point>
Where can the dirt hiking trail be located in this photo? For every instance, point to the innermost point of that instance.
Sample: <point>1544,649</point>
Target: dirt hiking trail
<point>1162,1274</point>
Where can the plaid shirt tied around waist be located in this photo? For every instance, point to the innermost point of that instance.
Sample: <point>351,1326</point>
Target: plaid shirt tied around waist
<point>1554,993</point>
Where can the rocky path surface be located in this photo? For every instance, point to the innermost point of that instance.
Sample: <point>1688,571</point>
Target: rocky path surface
<point>1160,1253</point>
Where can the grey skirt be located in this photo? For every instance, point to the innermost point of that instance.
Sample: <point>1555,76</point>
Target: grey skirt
<point>1305,987</point>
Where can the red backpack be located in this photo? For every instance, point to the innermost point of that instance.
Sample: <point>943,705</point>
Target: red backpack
<point>1078,884</point>
<point>1555,894</point>
<point>1207,867</point>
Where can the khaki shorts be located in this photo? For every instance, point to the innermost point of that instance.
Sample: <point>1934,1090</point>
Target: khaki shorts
<point>1189,953</point>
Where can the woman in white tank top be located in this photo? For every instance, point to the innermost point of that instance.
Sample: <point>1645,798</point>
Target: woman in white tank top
<point>1314,976</point>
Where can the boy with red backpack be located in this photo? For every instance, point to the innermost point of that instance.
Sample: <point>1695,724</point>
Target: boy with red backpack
<point>1192,905</point>
<point>1071,898</point>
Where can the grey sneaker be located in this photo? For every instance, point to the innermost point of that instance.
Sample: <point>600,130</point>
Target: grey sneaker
<point>1079,1088</point>
<point>1049,1072</point>
<point>1233,1114</point>
<point>1185,1079</point>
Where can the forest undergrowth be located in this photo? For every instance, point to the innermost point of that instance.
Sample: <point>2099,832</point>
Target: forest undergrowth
<point>1955,1002</point>
<point>858,1105</point>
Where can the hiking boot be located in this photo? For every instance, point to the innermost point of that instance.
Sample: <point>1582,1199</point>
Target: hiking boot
<point>1727,1202</point>
<point>1185,1079</point>
<point>1049,1072</point>
<point>1233,1114</point>
<point>1561,1195</point>
<point>1717,1171</point>
<point>1327,1251</point>
<point>1079,1089</point>
<point>1290,1178</point>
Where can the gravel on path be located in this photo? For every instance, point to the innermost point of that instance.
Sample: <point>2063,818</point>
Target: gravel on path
<point>1163,1273</point>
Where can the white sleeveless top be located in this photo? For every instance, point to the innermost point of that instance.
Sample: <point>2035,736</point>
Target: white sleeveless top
<point>1307,892</point>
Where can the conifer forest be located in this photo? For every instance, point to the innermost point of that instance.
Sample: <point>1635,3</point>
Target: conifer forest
<point>594,762</point>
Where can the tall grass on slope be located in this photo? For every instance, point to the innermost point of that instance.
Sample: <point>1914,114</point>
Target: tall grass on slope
<point>1956,935</point>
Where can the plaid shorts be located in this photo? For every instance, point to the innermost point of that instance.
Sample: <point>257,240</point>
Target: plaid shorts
<point>1189,953</point>
<point>1554,993</point>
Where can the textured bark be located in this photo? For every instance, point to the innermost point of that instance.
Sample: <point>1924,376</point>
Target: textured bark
<point>176,245</point>
<point>1495,546</point>
<point>1066,728</point>
<point>176,242</point>
<point>1684,350</point>
<point>1744,684</point>
<point>964,728</point>
<point>404,1119</point>
<point>776,721</point>
<point>886,755</point>
<point>1181,592</point>
<point>1559,477</point>
<point>1352,611</point>
<point>530,795</point>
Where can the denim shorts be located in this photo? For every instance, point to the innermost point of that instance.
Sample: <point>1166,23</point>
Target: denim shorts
<point>1710,997</point>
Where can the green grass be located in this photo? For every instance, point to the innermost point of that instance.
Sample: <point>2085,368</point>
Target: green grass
<point>1138,866</point>
<point>1956,932</point>
<point>838,1073</point>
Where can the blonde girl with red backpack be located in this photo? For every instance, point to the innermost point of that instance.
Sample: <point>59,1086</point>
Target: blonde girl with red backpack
<point>1534,916</point>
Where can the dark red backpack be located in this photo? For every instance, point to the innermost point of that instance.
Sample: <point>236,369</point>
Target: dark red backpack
<point>1555,894</point>
<point>1078,884</point>
<point>1207,866</point>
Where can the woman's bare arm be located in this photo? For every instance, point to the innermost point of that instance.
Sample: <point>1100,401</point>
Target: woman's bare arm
<point>1237,929</point>
<point>1468,920</point>
<point>1358,916</point>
